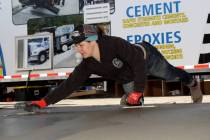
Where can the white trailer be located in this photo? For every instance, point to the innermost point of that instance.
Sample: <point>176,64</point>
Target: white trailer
<point>178,28</point>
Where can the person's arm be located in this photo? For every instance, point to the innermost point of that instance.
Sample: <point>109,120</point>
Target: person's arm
<point>135,59</point>
<point>74,81</point>
<point>80,74</point>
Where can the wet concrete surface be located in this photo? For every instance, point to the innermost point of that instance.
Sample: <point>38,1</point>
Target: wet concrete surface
<point>160,122</point>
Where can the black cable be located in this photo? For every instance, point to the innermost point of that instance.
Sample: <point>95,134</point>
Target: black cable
<point>27,83</point>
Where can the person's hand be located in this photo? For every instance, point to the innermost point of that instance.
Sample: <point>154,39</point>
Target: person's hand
<point>135,98</point>
<point>31,106</point>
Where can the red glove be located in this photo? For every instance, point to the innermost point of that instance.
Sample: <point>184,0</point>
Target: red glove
<point>41,103</point>
<point>31,106</point>
<point>134,98</point>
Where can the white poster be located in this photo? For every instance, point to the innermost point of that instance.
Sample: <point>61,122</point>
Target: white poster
<point>175,27</point>
<point>34,52</point>
<point>97,13</point>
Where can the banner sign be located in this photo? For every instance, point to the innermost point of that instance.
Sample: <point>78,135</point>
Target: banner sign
<point>175,27</point>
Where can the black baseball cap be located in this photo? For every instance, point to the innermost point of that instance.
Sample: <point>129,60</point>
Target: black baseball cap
<point>84,33</point>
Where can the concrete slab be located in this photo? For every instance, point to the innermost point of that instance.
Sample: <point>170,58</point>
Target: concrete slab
<point>183,121</point>
<point>116,101</point>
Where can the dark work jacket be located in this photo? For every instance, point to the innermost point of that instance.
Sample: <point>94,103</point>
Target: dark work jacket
<point>119,61</point>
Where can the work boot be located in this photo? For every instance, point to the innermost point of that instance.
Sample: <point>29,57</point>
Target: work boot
<point>196,93</point>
